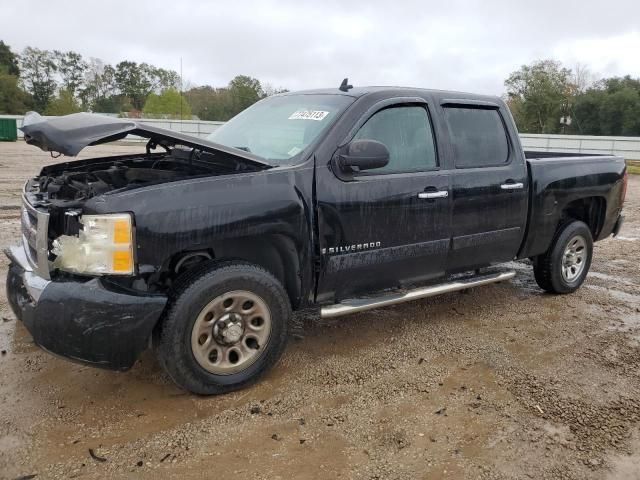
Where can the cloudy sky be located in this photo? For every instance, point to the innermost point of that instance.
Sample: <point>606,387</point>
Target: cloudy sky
<point>463,45</point>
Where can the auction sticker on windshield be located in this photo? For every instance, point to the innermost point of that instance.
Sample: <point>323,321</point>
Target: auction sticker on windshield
<point>317,115</point>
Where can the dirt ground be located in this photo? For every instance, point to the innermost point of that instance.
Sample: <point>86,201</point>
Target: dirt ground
<point>501,382</point>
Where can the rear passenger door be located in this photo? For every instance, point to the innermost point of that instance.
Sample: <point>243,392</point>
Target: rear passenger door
<point>489,191</point>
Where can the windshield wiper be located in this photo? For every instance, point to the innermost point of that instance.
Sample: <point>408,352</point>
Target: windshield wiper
<point>246,149</point>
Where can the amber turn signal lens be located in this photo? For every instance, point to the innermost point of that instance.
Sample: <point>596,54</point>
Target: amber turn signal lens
<point>122,231</point>
<point>121,261</point>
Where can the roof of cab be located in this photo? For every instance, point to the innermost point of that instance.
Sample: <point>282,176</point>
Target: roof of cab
<point>357,92</point>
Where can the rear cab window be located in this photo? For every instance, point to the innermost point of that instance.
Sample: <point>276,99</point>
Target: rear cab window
<point>478,136</point>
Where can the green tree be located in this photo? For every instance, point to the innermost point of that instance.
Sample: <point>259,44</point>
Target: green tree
<point>137,81</point>
<point>245,91</point>
<point>221,104</point>
<point>99,87</point>
<point>8,60</point>
<point>112,104</point>
<point>133,82</point>
<point>63,104</point>
<point>611,106</point>
<point>620,113</point>
<point>38,70</point>
<point>168,104</point>
<point>13,100</point>
<point>615,84</point>
<point>539,92</point>
<point>210,103</point>
<point>586,112</point>
<point>163,79</point>
<point>72,69</point>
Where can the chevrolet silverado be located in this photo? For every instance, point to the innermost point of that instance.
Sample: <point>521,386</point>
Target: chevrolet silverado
<point>342,199</point>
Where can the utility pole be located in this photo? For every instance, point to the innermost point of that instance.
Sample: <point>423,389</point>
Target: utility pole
<point>565,119</point>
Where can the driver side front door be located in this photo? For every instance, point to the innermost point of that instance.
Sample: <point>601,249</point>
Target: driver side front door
<point>386,227</point>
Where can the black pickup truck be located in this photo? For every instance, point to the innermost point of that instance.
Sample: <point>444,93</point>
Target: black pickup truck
<point>346,199</point>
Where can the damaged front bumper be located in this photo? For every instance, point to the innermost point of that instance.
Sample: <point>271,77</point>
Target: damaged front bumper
<point>89,321</point>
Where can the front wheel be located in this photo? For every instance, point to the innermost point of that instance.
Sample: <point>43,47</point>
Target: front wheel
<point>224,328</point>
<point>564,267</point>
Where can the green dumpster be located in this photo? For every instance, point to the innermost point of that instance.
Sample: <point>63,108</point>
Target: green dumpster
<point>8,130</point>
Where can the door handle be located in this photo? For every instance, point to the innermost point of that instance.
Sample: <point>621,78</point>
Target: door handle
<point>512,186</point>
<point>438,194</point>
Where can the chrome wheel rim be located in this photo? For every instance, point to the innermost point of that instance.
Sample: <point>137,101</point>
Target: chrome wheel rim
<point>574,258</point>
<point>231,332</point>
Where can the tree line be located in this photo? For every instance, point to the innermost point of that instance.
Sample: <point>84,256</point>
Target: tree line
<point>54,82</point>
<point>546,97</point>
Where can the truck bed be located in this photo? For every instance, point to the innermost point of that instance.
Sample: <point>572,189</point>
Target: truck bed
<point>561,179</point>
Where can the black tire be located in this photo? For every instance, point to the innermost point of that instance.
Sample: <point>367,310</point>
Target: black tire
<point>191,295</point>
<point>548,267</point>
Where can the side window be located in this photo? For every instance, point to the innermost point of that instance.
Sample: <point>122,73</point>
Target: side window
<point>478,136</point>
<point>407,133</point>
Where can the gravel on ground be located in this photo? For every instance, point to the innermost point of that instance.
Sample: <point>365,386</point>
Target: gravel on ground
<point>499,382</point>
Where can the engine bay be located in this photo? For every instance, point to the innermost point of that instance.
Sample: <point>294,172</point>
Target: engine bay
<point>71,184</point>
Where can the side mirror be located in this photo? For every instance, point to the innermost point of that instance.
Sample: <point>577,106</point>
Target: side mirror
<point>364,155</point>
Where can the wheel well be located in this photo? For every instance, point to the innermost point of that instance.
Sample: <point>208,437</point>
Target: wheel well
<point>274,253</point>
<point>185,261</point>
<point>590,210</point>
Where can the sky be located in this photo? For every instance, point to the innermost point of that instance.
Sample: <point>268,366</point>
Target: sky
<point>297,44</point>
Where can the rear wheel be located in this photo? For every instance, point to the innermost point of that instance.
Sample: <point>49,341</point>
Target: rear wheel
<point>564,267</point>
<point>225,327</point>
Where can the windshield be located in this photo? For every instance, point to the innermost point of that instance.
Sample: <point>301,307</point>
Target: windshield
<point>279,128</point>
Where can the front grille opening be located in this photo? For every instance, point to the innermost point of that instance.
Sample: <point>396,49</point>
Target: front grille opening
<point>35,225</point>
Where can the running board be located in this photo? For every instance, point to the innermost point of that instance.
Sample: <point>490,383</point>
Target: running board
<point>362,304</point>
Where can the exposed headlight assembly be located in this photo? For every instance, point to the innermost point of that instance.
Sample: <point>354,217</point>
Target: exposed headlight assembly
<point>104,246</point>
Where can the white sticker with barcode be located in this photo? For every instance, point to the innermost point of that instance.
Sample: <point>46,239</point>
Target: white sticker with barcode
<point>317,115</point>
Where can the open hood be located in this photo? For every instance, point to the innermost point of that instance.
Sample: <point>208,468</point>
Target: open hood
<point>69,134</point>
